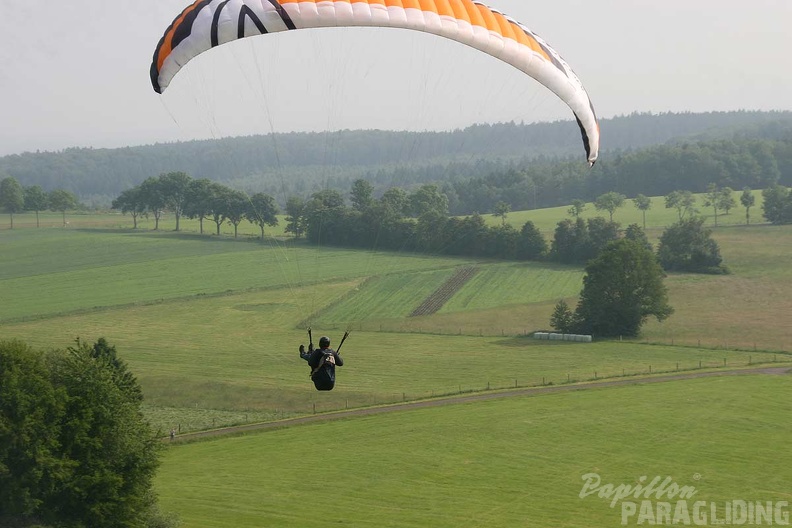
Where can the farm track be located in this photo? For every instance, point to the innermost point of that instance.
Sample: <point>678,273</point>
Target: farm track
<point>443,294</point>
<point>481,396</point>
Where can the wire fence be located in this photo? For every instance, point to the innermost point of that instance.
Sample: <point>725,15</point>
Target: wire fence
<point>206,420</point>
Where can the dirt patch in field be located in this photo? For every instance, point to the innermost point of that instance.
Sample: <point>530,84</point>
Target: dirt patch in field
<point>443,294</point>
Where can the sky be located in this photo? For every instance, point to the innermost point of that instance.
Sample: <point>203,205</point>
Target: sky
<point>76,74</point>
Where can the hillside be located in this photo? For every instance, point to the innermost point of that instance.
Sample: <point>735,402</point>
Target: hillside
<point>299,163</point>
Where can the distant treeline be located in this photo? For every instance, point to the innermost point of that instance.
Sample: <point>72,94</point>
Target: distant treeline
<point>419,220</point>
<point>499,155</point>
<point>656,171</point>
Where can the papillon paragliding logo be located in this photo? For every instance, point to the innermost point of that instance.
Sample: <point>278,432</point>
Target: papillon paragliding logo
<point>209,23</point>
<point>662,501</point>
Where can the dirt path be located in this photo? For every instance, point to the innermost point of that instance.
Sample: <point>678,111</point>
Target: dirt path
<point>452,400</point>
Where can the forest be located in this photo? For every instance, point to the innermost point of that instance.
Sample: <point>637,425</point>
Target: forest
<point>527,165</point>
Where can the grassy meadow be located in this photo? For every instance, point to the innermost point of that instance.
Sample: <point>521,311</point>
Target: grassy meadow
<point>210,326</point>
<point>499,463</point>
<point>658,216</point>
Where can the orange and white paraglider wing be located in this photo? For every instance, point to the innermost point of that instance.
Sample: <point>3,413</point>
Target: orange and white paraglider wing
<point>209,23</point>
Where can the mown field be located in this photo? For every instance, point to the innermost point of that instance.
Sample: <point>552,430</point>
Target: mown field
<point>500,463</point>
<point>211,325</point>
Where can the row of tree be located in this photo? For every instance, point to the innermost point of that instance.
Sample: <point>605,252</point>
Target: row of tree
<point>15,199</point>
<point>419,222</point>
<point>75,450</point>
<point>203,199</point>
<point>719,199</point>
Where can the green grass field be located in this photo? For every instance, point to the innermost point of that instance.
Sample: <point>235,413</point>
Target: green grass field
<point>658,216</point>
<point>501,463</point>
<point>210,326</point>
<point>88,269</point>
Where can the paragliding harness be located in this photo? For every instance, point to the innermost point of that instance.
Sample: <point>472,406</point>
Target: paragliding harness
<point>323,375</point>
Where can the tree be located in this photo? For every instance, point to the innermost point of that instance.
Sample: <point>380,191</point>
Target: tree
<point>578,241</point>
<point>682,201</point>
<point>75,449</point>
<point>262,211</point>
<point>501,210</point>
<point>396,201</point>
<point>111,449</point>
<point>726,199</point>
<point>570,241</point>
<point>577,208</point>
<point>62,201</point>
<point>237,208</point>
<point>777,204</point>
<point>747,199</point>
<point>218,204</point>
<point>35,200</point>
<point>152,193</point>
<point>688,246</point>
<point>131,201</point>
<point>531,245</point>
<point>711,199</point>
<point>12,197</point>
<point>428,199</point>
<point>562,320</point>
<point>643,204</point>
<point>295,219</point>
<point>361,195</point>
<point>600,233</point>
<point>609,201</point>
<point>430,232</point>
<point>325,218</point>
<point>622,288</point>
<point>175,188</point>
<point>30,407</point>
<point>199,201</point>
<point>636,234</point>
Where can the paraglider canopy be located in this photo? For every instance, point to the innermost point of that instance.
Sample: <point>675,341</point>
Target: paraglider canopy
<point>209,23</point>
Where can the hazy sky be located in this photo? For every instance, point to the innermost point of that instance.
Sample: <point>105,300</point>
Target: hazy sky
<point>76,73</point>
